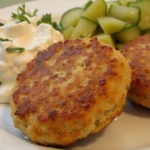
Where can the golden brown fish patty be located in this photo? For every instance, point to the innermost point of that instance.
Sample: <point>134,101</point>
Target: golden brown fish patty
<point>70,90</point>
<point>137,53</point>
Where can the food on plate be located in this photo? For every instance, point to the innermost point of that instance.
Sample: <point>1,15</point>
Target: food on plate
<point>72,89</point>
<point>127,14</point>
<point>130,33</point>
<point>137,52</point>
<point>125,2</point>
<point>123,20</point>
<point>21,37</point>
<point>84,28</point>
<point>144,6</point>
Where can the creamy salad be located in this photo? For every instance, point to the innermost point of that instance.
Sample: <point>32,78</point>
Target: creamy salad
<point>19,44</point>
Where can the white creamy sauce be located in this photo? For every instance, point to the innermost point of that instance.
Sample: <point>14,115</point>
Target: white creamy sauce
<point>29,36</point>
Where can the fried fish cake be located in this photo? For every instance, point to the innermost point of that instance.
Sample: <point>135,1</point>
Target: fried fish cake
<point>70,90</point>
<point>137,53</point>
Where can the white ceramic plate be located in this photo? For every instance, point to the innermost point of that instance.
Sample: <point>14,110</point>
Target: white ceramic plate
<point>130,131</point>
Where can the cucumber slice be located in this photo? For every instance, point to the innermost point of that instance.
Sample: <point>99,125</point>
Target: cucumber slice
<point>111,25</point>
<point>124,13</point>
<point>71,17</point>
<point>128,34</point>
<point>67,32</point>
<point>144,5</point>
<point>125,2</point>
<point>84,28</point>
<point>88,4</point>
<point>111,3</point>
<point>106,38</point>
<point>146,31</point>
<point>119,46</point>
<point>95,10</point>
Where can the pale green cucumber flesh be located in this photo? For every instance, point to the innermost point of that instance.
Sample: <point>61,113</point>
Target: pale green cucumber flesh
<point>128,34</point>
<point>71,17</point>
<point>95,10</point>
<point>125,2</point>
<point>124,13</point>
<point>109,3</point>
<point>84,28</point>
<point>111,25</point>
<point>67,32</point>
<point>144,5</point>
<point>106,38</point>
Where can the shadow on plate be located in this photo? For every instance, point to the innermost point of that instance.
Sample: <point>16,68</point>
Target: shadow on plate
<point>136,110</point>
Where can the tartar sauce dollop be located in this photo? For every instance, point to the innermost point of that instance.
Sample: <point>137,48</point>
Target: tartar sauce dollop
<point>32,37</point>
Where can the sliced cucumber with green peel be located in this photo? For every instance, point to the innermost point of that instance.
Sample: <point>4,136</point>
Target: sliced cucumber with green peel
<point>146,31</point>
<point>119,46</point>
<point>88,4</point>
<point>111,3</point>
<point>106,38</point>
<point>84,28</point>
<point>95,10</point>
<point>124,13</point>
<point>144,5</point>
<point>125,2</point>
<point>120,21</point>
<point>111,25</point>
<point>128,34</point>
<point>67,32</point>
<point>71,17</point>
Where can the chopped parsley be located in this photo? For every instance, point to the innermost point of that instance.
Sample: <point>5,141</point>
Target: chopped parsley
<point>47,18</point>
<point>4,40</point>
<point>15,49</point>
<point>22,14</point>
<point>1,24</point>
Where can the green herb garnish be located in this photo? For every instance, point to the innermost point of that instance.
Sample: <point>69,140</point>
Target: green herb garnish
<point>1,24</point>
<point>22,14</point>
<point>47,18</point>
<point>5,40</point>
<point>88,4</point>
<point>15,49</point>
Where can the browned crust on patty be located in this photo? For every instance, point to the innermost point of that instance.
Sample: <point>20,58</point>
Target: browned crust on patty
<point>138,54</point>
<point>69,90</point>
<point>82,96</point>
